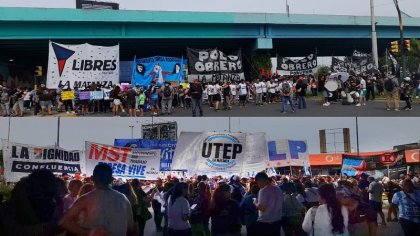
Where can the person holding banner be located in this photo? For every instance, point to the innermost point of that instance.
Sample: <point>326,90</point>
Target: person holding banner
<point>68,100</point>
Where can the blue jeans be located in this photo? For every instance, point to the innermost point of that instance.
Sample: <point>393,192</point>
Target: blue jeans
<point>301,102</point>
<point>284,103</point>
<point>196,102</point>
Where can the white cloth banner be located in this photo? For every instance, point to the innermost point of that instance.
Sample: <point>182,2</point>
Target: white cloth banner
<point>285,152</point>
<point>220,152</point>
<point>82,65</point>
<point>21,159</point>
<point>127,163</point>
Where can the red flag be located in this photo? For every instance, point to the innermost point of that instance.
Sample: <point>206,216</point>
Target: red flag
<point>269,73</point>
<point>262,72</point>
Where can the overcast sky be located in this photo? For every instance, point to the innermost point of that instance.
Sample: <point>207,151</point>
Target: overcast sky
<point>336,7</point>
<point>375,134</point>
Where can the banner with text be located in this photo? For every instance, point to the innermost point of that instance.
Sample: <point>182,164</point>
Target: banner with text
<point>21,159</point>
<point>220,152</point>
<point>82,65</point>
<point>362,63</point>
<point>212,65</point>
<point>303,66</point>
<point>158,69</point>
<point>338,65</point>
<point>129,163</point>
<point>285,152</point>
<point>167,149</point>
<point>375,165</point>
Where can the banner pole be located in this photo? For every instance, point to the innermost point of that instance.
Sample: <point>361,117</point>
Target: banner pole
<point>291,173</point>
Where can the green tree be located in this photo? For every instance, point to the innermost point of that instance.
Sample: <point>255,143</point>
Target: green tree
<point>412,58</point>
<point>260,60</point>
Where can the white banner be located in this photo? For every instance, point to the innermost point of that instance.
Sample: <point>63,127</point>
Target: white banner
<point>220,152</point>
<point>21,159</point>
<point>82,65</point>
<point>285,152</point>
<point>128,163</point>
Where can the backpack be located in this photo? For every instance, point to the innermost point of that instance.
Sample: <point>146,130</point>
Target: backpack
<point>389,85</point>
<point>236,193</point>
<point>285,88</point>
<point>167,91</point>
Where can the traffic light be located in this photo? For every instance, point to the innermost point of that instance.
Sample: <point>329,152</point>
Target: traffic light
<point>38,71</point>
<point>394,47</point>
<point>407,45</point>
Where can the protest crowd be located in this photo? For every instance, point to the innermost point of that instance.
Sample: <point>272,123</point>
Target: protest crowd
<point>157,100</point>
<point>45,204</point>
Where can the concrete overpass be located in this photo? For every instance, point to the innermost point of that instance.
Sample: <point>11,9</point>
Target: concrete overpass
<point>25,32</point>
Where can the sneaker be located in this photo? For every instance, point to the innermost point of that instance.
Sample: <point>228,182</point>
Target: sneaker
<point>409,109</point>
<point>388,109</point>
<point>123,111</point>
<point>293,111</point>
<point>358,105</point>
<point>67,112</point>
<point>396,110</point>
<point>284,112</point>
<point>417,96</point>
<point>364,104</point>
<point>154,113</point>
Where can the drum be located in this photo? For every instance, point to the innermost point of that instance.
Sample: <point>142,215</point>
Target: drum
<point>331,85</point>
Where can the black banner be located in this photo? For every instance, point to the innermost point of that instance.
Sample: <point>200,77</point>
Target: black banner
<point>395,67</point>
<point>338,65</point>
<point>29,167</point>
<point>362,63</point>
<point>212,65</point>
<point>304,66</point>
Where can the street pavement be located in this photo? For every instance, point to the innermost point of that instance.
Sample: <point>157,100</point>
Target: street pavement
<point>392,229</point>
<point>314,109</point>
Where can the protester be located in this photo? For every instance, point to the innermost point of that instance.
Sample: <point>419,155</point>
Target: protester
<point>130,96</point>
<point>408,203</point>
<point>301,93</point>
<point>225,213</point>
<point>74,188</point>
<point>269,205</point>
<point>375,197</point>
<point>258,90</point>
<point>390,189</point>
<point>392,92</point>
<point>406,93</point>
<point>168,95</point>
<point>330,218</point>
<point>293,212</point>
<point>101,206</point>
<point>287,95</point>
<point>196,92</point>
<point>179,211</point>
<point>249,212</point>
<point>237,191</point>
<point>200,210</point>
<point>153,95</point>
<point>243,93</point>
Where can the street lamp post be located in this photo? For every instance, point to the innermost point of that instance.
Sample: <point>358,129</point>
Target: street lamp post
<point>374,38</point>
<point>404,67</point>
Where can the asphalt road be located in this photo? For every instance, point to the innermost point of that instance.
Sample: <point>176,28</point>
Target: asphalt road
<point>392,229</point>
<point>314,109</point>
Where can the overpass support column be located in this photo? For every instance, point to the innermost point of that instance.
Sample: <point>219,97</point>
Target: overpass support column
<point>263,44</point>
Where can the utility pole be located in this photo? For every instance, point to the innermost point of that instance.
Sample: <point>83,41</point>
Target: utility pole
<point>374,38</point>
<point>403,55</point>
<point>287,8</point>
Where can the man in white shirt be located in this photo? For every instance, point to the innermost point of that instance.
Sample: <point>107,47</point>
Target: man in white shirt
<point>363,91</point>
<point>105,210</point>
<point>210,92</point>
<point>264,89</point>
<point>243,92</point>
<point>375,197</point>
<point>269,206</point>
<point>258,92</point>
<point>233,90</point>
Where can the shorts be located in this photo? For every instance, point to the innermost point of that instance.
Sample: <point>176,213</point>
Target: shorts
<point>141,106</point>
<point>131,104</point>
<point>376,206</point>
<point>154,102</point>
<point>117,102</point>
<point>217,98</point>
<point>356,94</point>
<point>242,97</point>
<point>45,104</point>
<point>363,93</point>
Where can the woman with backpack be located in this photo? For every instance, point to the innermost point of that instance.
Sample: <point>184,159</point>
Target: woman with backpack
<point>330,218</point>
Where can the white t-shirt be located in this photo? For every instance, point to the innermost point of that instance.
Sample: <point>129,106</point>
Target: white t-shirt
<point>270,197</point>
<point>111,211</point>
<point>322,221</point>
<point>362,84</point>
<point>272,87</point>
<point>176,213</point>
<point>258,87</point>
<point>27,96</point>
<point>211,90</point>
<point>217,89</point>
<point>242,89</point>
<point>233,89</point>
<point>264,87</point>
